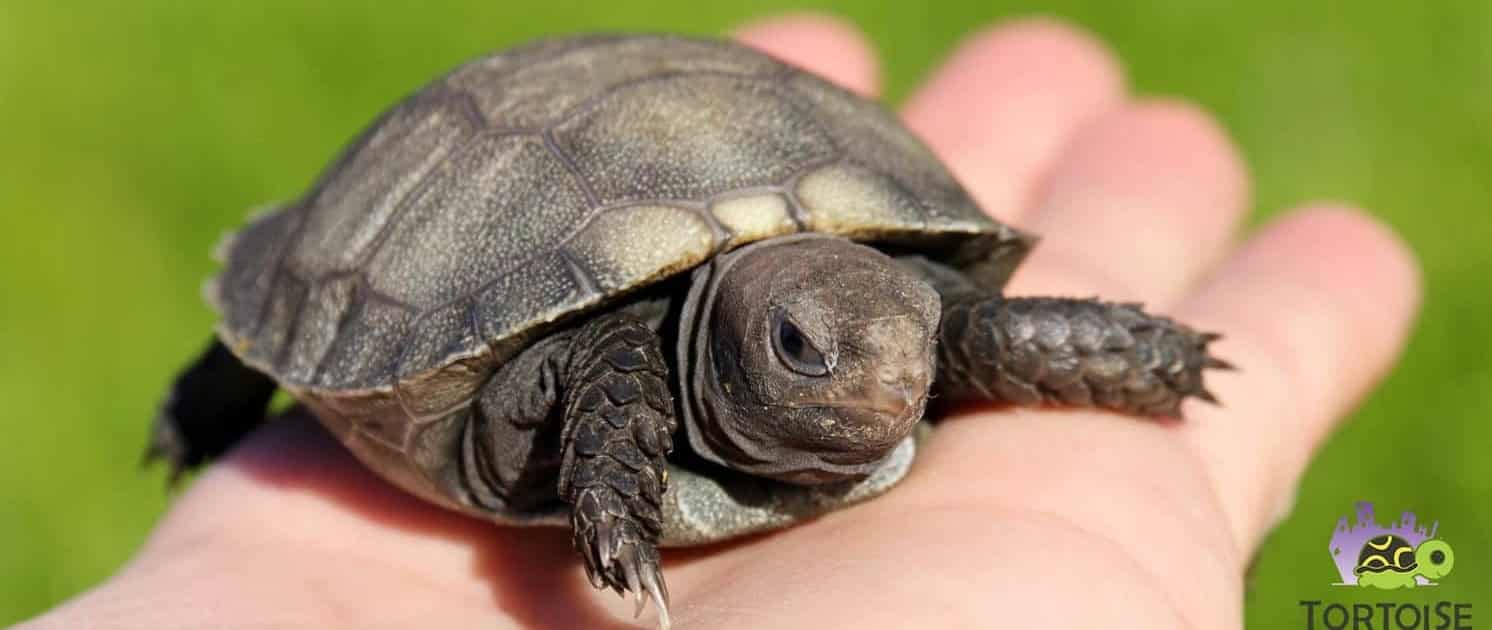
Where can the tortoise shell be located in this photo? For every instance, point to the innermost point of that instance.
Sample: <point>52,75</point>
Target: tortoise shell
<point>1386,553</point>
<point>531,187</point>
<point>537,184</point>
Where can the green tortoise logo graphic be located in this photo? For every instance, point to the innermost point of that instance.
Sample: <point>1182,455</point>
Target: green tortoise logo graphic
<point>1402,554</point>
<point>1389,561</point>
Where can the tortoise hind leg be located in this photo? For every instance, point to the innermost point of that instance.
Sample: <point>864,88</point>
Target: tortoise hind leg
<point>213,404</point>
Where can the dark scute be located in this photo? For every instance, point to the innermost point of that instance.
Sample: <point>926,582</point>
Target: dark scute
<point>488,212</point>
<point>358,197</point>
<point>542,290</point>
<point>691,137</point>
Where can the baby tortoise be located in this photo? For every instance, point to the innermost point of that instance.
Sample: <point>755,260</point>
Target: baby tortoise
<point>660,290</point>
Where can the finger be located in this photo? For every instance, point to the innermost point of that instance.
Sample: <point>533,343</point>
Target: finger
<point>1313,311</point>
<point>824,45</point>
<point>1006,103</point>
<point>1142,203</point>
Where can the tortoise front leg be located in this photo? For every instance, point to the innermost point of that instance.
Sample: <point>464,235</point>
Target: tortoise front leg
<point>618,429</point>
<point>1068,351</point>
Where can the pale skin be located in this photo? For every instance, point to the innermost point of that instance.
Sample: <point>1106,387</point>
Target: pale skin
<point>1030,518</point>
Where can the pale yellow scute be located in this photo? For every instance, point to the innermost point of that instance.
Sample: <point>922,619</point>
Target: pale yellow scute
<point>853,201</point>
<point>754,218</point>
<point>625,247</point>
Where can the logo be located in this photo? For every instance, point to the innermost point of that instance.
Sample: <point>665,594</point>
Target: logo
<point>1403,554</point>
<point>1375,560</point>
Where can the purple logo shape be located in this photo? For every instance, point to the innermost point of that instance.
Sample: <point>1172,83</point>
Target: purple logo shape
<point>1348,539</point>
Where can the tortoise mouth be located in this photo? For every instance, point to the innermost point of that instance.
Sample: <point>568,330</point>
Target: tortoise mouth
<point>858,432</point>
<point>829,467</point>
<point>838,443</point>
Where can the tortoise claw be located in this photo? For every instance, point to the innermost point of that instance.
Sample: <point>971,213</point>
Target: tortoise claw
<point>636,570</point>
<point>657,589</point>
<point>1212,362</point>
<point>167,444</point>
<point>618,555</point>
<point>1219,364</point>
<point>645,581</point>
<point>1207,396</point>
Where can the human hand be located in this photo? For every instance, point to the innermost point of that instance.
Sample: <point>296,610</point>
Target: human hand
<point>1028,518</point>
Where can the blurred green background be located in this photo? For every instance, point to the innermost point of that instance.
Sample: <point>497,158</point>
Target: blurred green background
<point>133,133</point>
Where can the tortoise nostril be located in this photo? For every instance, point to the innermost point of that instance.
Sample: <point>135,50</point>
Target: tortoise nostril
<point>909,371</point>
<point>910,381</point>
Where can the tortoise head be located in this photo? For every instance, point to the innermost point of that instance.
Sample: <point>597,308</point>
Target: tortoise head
<point>809,358</point>
<point>1434,558</point>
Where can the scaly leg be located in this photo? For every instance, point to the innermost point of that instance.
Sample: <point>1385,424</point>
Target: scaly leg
<point>1079,352</point>
<point>618,429</point>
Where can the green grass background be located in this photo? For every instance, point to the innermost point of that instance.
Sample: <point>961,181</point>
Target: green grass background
<point>133,133</point>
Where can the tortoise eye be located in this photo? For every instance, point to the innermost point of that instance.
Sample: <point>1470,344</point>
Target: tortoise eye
<point>794,349</point>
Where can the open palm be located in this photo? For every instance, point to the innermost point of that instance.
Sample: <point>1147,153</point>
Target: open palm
<point>1025,518</point>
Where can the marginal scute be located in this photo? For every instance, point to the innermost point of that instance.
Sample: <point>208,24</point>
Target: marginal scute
<point>516,303</point>
<point>754,217</point>
<point>626,247</point>
<point>436,336</point>
<point>253,260</point>
<point>367,348</point>
<point>281,317</point>
<point>431,395</point>
<point>320,321</point>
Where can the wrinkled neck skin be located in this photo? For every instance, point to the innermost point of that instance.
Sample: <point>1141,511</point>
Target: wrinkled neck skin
<point>872,324</point>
